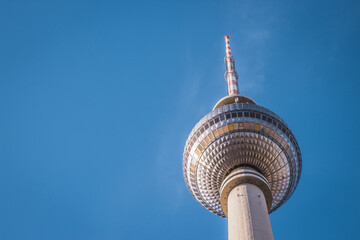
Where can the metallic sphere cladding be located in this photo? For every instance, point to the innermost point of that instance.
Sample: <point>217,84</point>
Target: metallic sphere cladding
<point>239,134</point>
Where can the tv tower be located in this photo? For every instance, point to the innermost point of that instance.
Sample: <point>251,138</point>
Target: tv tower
<point>241,161</point>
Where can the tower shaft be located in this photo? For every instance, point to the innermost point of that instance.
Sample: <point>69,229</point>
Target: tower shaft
<point>230,74</point>
<point>248,218</point>
<point>246,198</point>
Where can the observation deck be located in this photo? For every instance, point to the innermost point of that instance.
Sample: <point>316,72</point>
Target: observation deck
<point>240,133</point>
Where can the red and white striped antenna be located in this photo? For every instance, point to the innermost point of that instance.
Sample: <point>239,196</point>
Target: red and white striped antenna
<point>231,75</point>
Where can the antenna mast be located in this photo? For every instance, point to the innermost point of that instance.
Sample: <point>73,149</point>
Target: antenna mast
<point>231,75</point>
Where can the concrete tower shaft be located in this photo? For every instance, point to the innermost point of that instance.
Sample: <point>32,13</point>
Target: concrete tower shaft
<point>246,199</point>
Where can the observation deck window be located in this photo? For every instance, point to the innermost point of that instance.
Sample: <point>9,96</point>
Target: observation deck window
<point>220,130</point>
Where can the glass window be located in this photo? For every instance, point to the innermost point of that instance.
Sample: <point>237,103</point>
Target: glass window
<point>252,114</point>
<point>225,129</point>
<point>217,120</point>
<point>216,133</point>
<point>234,115</point>
<point>268,131</point>
<point>222,117</point>
<point>220,130</point>
<point>246,114</point>
<point>211,136</point>
<point>276,136</point>
<point>228,116</point>
<point>271,132</point>
<point>197,151</point>
<point>257,116</point>
<point>275,123</point>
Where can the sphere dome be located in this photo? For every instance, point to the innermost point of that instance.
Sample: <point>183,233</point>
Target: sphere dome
<point>240,133</point>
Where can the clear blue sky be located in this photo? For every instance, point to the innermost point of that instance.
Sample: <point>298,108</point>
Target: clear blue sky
<point>97,99</point>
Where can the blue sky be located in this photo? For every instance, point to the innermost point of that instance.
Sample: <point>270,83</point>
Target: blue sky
<point>97,99</point>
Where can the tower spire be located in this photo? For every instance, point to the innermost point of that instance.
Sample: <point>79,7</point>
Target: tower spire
<point>231,75</point>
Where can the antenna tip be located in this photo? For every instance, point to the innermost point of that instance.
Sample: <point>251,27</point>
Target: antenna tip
<point>227,36</point>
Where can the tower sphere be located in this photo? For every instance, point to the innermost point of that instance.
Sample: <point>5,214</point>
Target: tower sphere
<point>238,133</point>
